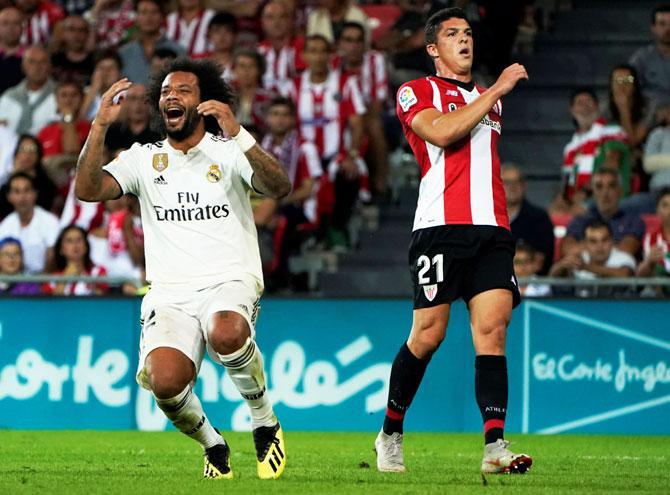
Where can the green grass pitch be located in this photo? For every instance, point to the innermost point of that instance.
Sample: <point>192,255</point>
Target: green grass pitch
<point>168,463</point>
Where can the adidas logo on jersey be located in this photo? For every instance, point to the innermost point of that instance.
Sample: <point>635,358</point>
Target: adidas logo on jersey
<point>160,180</point>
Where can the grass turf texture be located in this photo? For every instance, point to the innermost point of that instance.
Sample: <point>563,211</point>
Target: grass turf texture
<point>133,462</point>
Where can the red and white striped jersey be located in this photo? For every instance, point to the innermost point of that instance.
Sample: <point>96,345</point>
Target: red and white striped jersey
<point>301,161</point>
<point>86,215</point>
<point>79,288</point>
<point>37,30</point>
<point>580,153</point>
<point>111,24</point>
<point>282,65</point>
<point>460,184</point>
<point>191,35</point>
<point>372,76</point>
<point>323,109</point>
<point>655,238</point>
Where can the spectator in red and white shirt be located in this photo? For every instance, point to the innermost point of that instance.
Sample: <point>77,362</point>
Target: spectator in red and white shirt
<point>222,35</point>
<point>42,16</point>
<point>72,257</point>
<point>67,136</point>
<point>299,158</point>
<point>369,66</point>
<point>252,98</point>
<point>188,26</point>
<point>592,132</point>
<point>328,102</point>
<point>656,242</point>
<point>111,20</point>
<point>330,110</point>
<point>118,245</point>
<point>302,164</point>
<point>281,48</point>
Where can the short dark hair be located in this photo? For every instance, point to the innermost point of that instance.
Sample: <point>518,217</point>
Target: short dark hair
<point>583,90</point>
<point>608,171</point>
<point>597,223</point>
<point>69,81</point>
<point>106,54</point>
<point>21,175</point>
<point>662,193</point>
<point>659,9</point>
<point>319,37</point>
<point>59,261</point>
<point>212,87</point>
<point>164,52</point>
<point>435,21</point>
<point>523,247</point>
<point>256,57</point>
<point>282,101</point>
<point>352,25</point>
<point>225,19</point>
<point>161,5</point>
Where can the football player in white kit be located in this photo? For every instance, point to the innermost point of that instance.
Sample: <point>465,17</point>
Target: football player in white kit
<point>201,249</point>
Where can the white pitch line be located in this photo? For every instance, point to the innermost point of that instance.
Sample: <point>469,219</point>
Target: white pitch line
<point>605,416</point>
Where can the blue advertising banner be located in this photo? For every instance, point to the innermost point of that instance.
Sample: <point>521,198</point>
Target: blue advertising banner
<point>578,366</point>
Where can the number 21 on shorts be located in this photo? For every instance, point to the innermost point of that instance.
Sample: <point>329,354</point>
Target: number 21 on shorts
<point>424,263</point>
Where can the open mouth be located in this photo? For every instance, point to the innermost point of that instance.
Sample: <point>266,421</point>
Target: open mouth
<point>464,51</point>
<point>173,115</point>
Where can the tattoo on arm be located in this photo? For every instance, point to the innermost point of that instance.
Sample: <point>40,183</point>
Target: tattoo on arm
<point>89,184</point>
<point>269,176</point>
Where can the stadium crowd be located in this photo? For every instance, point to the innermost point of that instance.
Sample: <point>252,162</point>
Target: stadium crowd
<point>315,83</point>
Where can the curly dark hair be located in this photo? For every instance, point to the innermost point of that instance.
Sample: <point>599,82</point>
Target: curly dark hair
<point>59,262</point>
<point>212,87</point>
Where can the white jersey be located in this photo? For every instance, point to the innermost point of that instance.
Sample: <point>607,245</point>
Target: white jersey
<point>196,215</point>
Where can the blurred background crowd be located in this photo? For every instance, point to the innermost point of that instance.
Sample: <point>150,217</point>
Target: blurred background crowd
<point>587,176</point>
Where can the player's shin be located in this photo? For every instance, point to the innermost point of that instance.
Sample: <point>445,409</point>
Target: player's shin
<point>491,394</point>
<point>406,375</point>
<point>245,368</point>
<point>186,413</point>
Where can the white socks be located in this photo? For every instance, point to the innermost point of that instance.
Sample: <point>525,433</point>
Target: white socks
<point>185,412</point>
<point>245,368</point>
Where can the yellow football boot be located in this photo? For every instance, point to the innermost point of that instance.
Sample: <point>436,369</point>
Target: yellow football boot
<point>270,451</point>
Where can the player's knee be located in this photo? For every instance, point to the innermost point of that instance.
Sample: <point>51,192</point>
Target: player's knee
<point>493,335</point>
<point>424,342</point>
<point>228,332</point>
<point>168,382</point>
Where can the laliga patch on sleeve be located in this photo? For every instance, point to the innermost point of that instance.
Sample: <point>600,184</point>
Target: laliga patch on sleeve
<point>406,98</point>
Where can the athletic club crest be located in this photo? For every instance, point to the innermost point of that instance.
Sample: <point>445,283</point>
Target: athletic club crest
<point>160,162</point>
<point>430,291</point>
<point>214,173</point>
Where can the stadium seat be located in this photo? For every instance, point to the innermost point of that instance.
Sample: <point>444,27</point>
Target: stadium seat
<point>381,18</point>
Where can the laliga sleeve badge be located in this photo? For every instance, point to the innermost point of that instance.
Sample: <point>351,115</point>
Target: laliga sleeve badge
<point>430,291</point>
<point>160,162</point>
<point>406,98</point>
<point>214,174</point>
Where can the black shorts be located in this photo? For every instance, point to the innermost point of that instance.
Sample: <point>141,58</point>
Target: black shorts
<point>452,261</point>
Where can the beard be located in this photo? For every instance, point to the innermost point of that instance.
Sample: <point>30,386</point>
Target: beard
<point>191,121</point>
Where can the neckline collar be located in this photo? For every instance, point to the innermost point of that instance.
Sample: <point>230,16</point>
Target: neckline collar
<point>197,147</point>
<point>468,86</point>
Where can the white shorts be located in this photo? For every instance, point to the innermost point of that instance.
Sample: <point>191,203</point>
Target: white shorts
<point>180,319</point>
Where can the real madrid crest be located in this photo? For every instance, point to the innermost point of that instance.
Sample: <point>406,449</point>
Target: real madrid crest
<point>160,162</point>
<point>214,173</point>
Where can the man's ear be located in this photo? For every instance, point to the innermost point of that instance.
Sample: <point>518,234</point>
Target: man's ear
<point>432,50</point>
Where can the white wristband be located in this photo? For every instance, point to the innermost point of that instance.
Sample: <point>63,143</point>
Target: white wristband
<point>244,139</point>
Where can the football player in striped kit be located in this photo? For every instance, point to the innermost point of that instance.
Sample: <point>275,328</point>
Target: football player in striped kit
<point>461,243</point>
